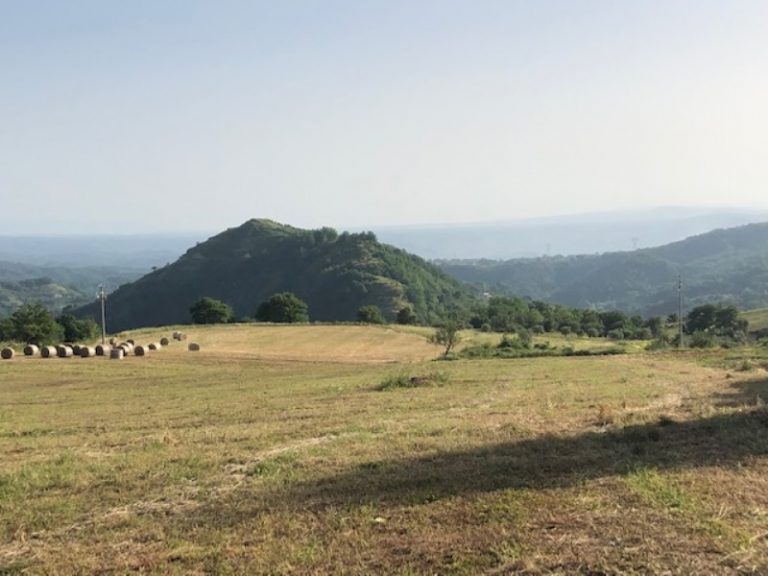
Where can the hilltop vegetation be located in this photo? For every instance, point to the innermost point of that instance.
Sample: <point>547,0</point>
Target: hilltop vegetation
<point>728,265</point>
<point>335,274</point>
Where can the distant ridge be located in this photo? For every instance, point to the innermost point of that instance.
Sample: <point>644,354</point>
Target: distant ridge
<point>334,273</point>
<point>729,265</point>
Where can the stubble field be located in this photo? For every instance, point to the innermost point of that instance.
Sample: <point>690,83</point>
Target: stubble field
<point>275,450</point>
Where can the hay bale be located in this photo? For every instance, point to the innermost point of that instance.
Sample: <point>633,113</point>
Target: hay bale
<point>76,349</point>
<point>140,350</point>
<point>116,354</point>
<point>176,334</point>
<point>131,342</point>
<point>193,347</point>
<point>128,347</point>
<point>164,341</point>
<point>113,341</point>
<point>63,351</point>
<point>31,350</point>
<point>155,346</point>
<point>7,353</point>
<point>48,352</point>
<point>103,350</point>
<point>87,351</point>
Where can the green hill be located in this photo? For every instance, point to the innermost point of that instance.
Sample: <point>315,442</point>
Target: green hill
<point>729,265</point>
<point>50,294</point>
<point>334,273</point>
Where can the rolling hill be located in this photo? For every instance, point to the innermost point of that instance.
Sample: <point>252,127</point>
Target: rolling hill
<point>729,265</point>
<point>334,273</point>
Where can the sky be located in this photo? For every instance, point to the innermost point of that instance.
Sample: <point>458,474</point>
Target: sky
<point>183,115</point>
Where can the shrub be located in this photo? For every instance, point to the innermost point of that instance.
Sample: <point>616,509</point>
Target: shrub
<point>210,311</point>
<point>370,314</point>
<point>283,308</point>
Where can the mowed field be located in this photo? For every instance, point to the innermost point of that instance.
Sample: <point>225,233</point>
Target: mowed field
<point>275,450</point>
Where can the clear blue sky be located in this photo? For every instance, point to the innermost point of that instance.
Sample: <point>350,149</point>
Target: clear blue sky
<point>136,116</point>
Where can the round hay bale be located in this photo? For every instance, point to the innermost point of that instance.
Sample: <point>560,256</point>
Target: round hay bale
<point>87,351</point>
<point>176,334</point>
<point>116,354</point>
<point>127,346</point>
<point>64,351</point>
<point>182,336</point>
<point>76,349</point>
<point>140,350</point>
<point>155,346</point>
<point>193,347</point>
<point>164,341</point>
<point>31,350</point>
<point>103,350</point>
<point>48,352</point>
<point>131,342</point>
<point>7,353</point>
<point>113,341</point>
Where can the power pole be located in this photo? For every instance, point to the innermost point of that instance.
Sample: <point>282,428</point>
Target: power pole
<point>680,311</point>
<point>102,296</point>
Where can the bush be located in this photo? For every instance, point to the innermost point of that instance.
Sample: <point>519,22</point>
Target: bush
<point>404,380</point>
<point>283,308</point>
<point>406,315</point>
<point>701,340</point>
<point>370,315</point>
<point>210,311</point>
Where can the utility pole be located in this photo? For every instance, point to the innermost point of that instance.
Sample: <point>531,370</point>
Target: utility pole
<point>102,296</point>
<point>680,311</point>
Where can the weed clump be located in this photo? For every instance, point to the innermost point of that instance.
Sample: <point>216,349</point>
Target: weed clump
<point>405,380</point>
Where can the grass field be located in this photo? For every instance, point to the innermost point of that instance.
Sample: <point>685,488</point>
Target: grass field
<point>275,451</point>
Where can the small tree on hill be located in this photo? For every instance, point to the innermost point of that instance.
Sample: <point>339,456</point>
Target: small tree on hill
<point>283,308</point>
<point>406,315</point>
<point>446,335</point>
<point>211,311</point>
<point>370,315</point>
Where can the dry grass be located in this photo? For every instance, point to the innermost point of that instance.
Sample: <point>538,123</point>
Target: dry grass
<point>282,456</point>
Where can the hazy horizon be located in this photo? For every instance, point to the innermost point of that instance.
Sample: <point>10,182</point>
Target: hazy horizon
<point>179,117</point>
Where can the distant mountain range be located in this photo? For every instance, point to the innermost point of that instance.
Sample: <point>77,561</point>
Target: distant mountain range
<point>334,273</point>
<point>728,265</point>
<point>565,235</point>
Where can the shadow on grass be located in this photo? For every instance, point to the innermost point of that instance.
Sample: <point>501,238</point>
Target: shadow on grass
<point>545,462</point>
<point>745,393</point>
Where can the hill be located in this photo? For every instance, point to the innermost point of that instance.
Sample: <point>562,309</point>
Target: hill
<point>334,273</point>
<point>55,287</point>
<point>729,265</point>
<point>565,235</point>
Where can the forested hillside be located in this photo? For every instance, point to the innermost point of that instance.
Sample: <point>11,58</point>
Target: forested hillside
<point>56,287</point>
<point>334,273</point>
<point>729,265</point>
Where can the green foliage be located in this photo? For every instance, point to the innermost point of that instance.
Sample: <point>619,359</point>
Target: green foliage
<point>447,336</point>
<point>716,319</point>
<point>511,315</point>
<point>283,308</point>
<point>335,274</point>
<point>78,329</point>
<point>210,311</point>
<point>32,323</point>
<point>406,315</point>
<point>370,314</point>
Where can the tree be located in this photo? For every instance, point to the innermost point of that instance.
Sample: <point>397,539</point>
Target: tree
<point>32,323</point>
<point>406,315</point>
<point>283,308</point>
<point>370,314</point>
<point>77,329</point>
<point>446,335</point>
<point>211,311</point>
